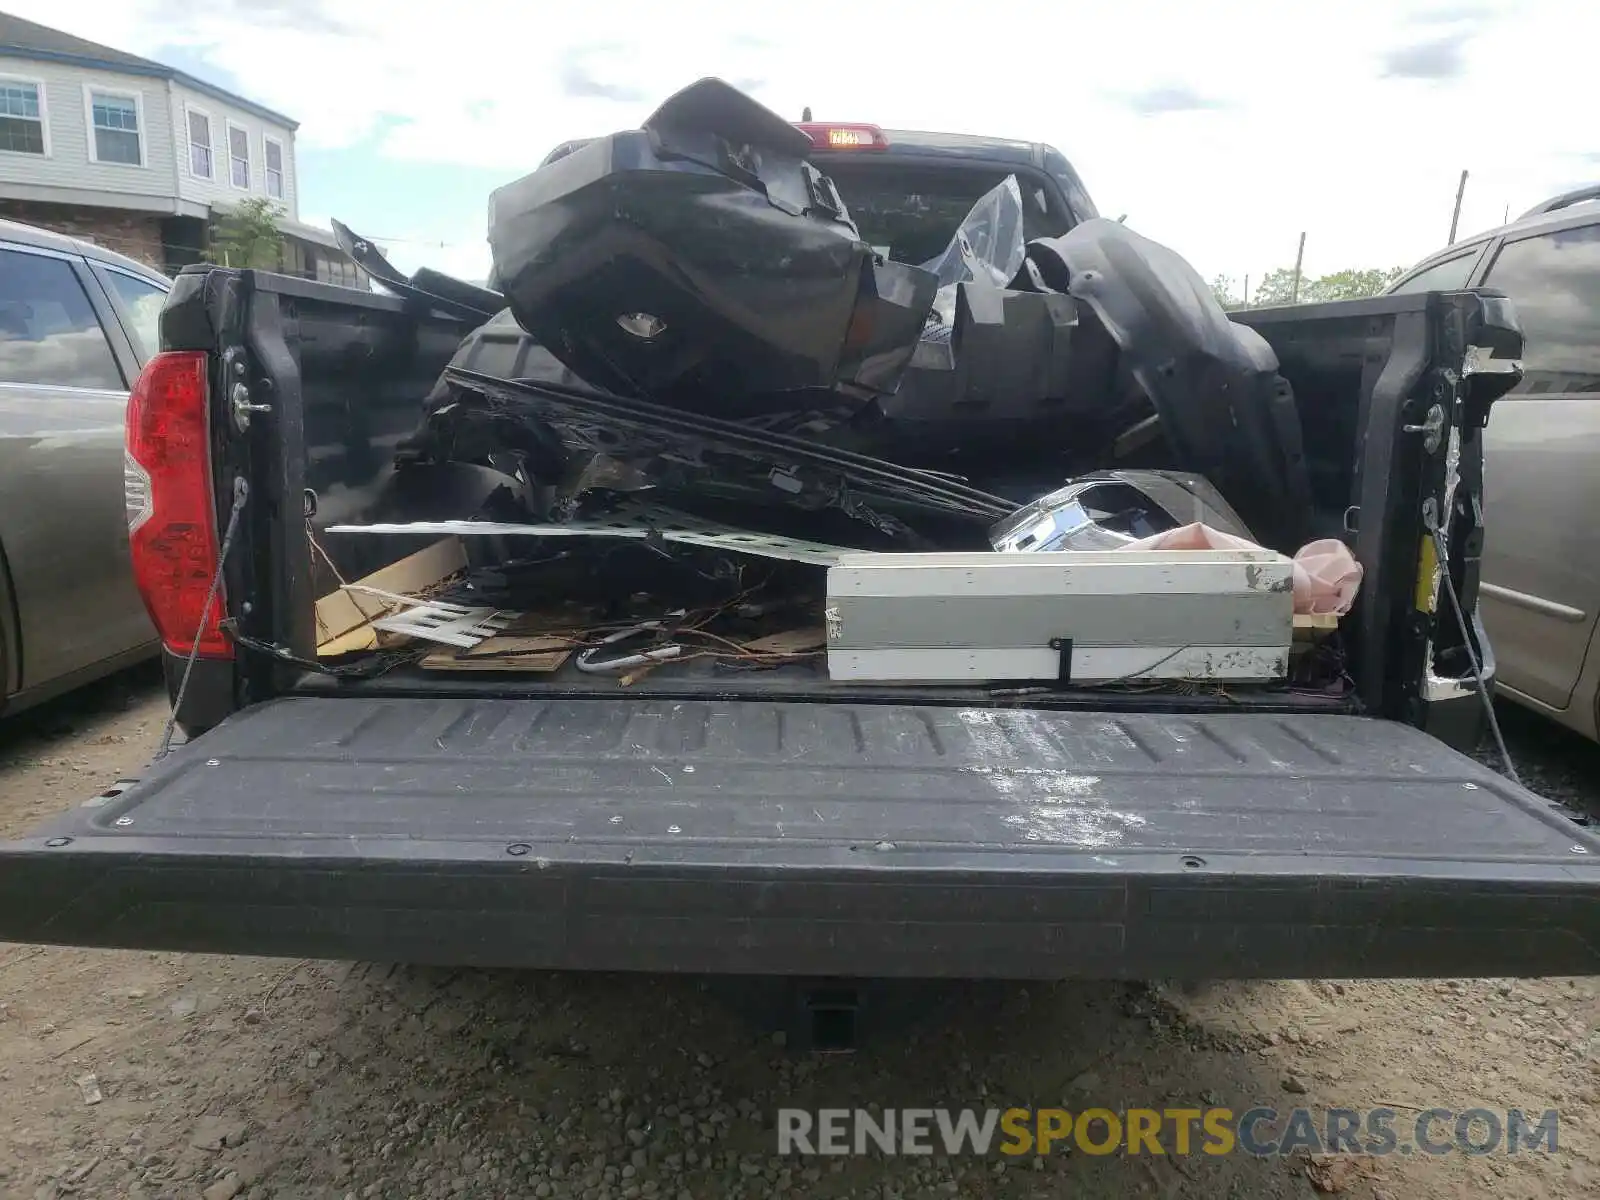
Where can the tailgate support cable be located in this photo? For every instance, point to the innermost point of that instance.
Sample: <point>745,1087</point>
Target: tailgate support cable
<point>241,491</point>
<point>1448,587</point>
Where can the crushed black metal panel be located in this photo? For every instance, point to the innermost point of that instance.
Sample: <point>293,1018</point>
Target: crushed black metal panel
<point>725,111</point>
<point>1028,361</point>
<point>427,286</point>
<point>762,464</point>
<point>645,261</point>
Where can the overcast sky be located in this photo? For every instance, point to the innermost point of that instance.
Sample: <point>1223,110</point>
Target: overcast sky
<point>1221,128</point>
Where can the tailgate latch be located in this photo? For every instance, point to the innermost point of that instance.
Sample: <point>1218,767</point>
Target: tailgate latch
<point>243,407</point>
<point>1432,429</point>
<point>239,391</point>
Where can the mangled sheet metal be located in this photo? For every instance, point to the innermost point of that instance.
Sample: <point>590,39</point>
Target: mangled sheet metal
<point>693,313</point>
<point>988,249</point>
<point>433,289</point>
<point>703,262</point>
<point>709,457</point>
<point>1010,382</point>
<point>1002,360</point>
<point>635,522</point>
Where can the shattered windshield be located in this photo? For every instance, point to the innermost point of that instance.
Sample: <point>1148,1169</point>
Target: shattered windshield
<point>911,213</point>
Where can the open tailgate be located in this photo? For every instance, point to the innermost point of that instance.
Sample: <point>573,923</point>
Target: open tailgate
<point>819,839</point>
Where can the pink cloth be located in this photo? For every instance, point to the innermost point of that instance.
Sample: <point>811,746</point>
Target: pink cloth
<point>1326,575</point>
<point>1192,537</point>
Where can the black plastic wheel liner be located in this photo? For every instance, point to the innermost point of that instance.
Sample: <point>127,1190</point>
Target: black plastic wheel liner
<point>1214,382</point>
<point>819,839</point>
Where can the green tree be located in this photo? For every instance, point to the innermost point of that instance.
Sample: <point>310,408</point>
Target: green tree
<point>1222,289</point>
<point>247,235</point>
<point>1275,287</point>
<point>1351,284</point>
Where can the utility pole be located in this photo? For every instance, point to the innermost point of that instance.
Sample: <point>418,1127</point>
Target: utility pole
<point>1455,215</point>
<point>1299,259</point>
<point>1246,299</point>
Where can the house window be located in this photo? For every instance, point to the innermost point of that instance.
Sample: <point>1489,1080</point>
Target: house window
<point>274,169</point>
<point>115,120</point>
<point>22,117</point>
<point>331,266</point>
<point>200,164</point>
<point>238,156</point>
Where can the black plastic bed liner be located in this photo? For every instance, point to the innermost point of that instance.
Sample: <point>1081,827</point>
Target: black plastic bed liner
<point>632,833</point>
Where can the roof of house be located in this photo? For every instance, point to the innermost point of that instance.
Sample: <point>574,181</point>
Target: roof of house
<point>27,39</point>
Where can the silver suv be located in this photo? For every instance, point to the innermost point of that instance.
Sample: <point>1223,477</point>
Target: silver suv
<point>1540,591</point>
<point>76,325</point>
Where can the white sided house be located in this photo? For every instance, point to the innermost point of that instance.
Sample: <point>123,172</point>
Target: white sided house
<point>136,156</point>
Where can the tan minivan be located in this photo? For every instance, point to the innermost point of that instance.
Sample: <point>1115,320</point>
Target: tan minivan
<point>1541,561</point>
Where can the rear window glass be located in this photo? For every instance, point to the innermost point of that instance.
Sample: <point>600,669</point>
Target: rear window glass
<point>49,333</point>
<point>1448,276</point>
<point>1553,279</point>
<point>911,213</point>
<point>142,300</point>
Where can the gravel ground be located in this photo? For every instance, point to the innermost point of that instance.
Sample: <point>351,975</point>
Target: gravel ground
<point>1549,760</point>
<point>128,1074</point>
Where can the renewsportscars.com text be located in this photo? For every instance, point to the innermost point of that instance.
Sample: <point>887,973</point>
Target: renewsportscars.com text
<point>1262,1131</point>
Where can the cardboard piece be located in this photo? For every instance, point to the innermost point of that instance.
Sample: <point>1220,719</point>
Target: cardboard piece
<point>1313,627</point>
<point>570,621</point>
<point>344,618</point>
<point>790,641</point>
<point>502,653</point>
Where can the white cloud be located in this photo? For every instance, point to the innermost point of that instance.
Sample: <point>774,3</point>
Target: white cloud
<point>1221,129</point>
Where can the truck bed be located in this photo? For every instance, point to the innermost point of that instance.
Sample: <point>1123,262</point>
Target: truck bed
<point>636,833</point>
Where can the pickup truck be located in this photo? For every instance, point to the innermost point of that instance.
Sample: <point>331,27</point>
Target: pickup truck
<point>764,824</point>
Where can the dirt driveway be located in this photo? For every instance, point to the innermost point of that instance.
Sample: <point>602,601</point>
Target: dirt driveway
<point>127,1074</point>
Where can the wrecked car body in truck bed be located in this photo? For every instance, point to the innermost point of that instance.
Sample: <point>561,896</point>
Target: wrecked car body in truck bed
<point>656,769</point>
<point>703,263</point>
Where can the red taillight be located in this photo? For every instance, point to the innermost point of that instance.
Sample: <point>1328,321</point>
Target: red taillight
<point>172,527</point>
<point>849,136</point>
